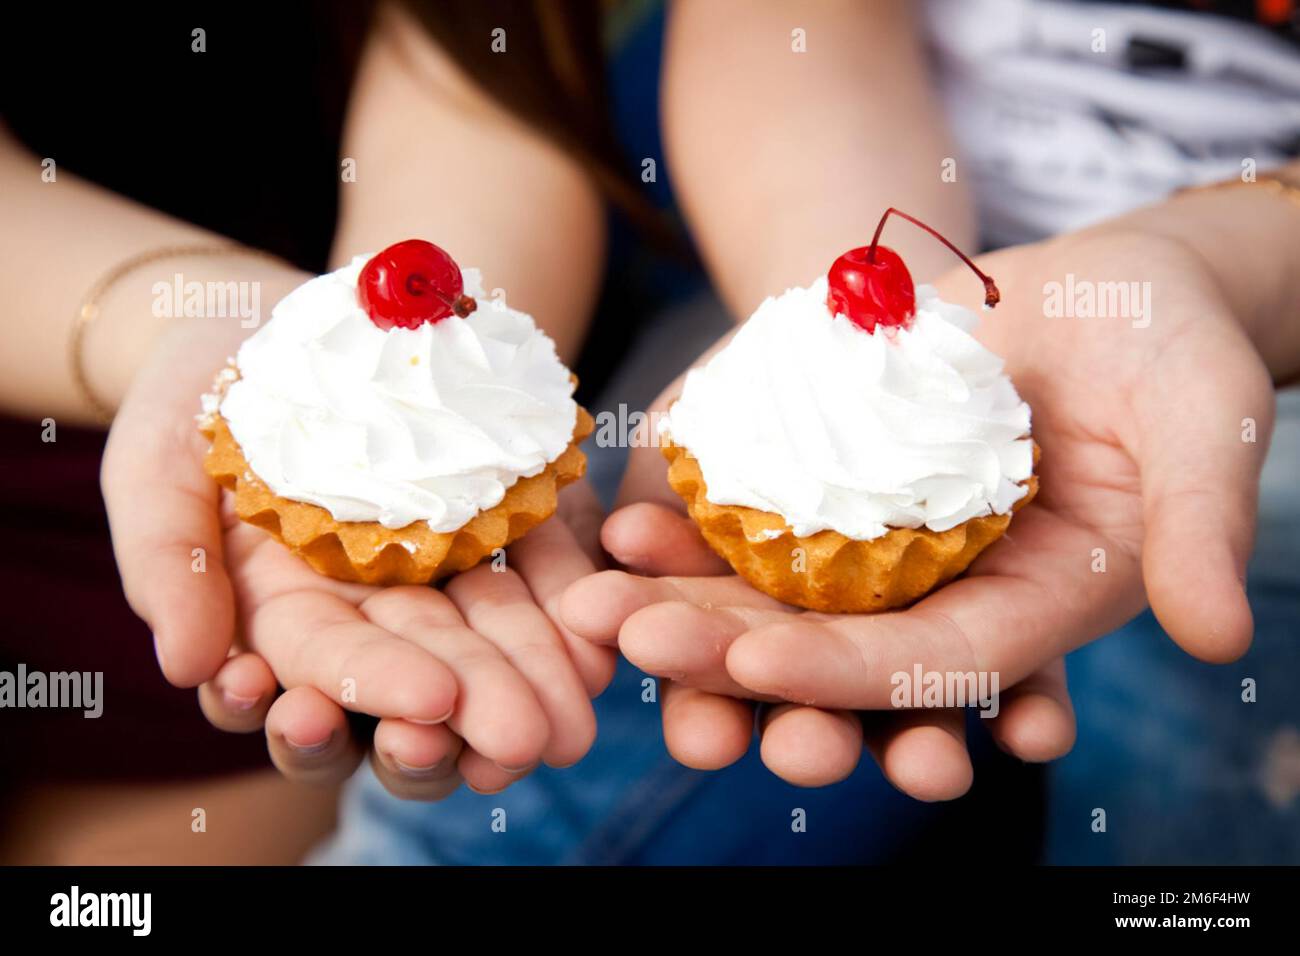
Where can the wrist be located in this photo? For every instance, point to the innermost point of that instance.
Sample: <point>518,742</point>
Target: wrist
<point>1245,238</point>
<point>211,302</point>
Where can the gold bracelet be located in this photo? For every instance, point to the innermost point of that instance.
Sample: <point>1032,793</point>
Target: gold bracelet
<point>1286,190</point>
<point>89,310</point>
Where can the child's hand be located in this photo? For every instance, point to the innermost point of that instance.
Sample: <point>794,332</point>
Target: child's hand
<point>473,681</point>
<point>1153,429</point>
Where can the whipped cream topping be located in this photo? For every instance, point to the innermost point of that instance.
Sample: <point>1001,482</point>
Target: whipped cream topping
<point>429,424</point>
<point>809,417</point>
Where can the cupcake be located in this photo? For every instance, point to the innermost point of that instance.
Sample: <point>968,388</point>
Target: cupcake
<point>853,447</point>
<point>391,424</point>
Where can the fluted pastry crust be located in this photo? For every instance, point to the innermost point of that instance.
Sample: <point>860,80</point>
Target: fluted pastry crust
<point>827,571</point>
<point>368,552</point>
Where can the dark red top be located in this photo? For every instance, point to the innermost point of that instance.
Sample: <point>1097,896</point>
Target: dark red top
<point>64,611</point>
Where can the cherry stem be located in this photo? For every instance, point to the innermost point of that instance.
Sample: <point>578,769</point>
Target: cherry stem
<point>462,305</point>
<point>991,294</point>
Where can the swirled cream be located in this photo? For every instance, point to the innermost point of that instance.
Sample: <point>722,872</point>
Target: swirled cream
<point>809,417</point>
<point>429,424</point>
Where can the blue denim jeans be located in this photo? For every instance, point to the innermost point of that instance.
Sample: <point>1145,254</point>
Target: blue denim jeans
<point>1186,769</point>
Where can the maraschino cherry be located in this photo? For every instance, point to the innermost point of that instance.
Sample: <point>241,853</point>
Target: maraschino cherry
<point>871,286</point>
<point>411,283</point>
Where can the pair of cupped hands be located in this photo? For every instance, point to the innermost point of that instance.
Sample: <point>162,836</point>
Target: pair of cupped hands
<point>1147,496</point>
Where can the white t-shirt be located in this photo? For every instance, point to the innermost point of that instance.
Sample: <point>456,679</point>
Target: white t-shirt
<point>1070,113</point>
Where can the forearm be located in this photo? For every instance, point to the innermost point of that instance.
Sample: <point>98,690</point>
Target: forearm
<point>436,159</point>
<point>784,160</point>
<point>1249,237</point>
<point>59,239</point>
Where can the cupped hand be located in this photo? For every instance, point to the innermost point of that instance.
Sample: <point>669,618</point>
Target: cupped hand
<point>475,681</point>
<point>1153,429</point>
<point>677,614</point>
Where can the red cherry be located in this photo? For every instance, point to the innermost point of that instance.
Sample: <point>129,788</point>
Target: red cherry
<point>871,285</point>
<point>871,290</point>
<point>411,283</point>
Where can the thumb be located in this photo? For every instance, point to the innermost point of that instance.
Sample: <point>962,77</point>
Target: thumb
<point>645,478</point>
<point>164,513</point>
<point>1204,420</point>
<point>648,538</point>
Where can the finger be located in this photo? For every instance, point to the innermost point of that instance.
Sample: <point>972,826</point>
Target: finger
<point>922,752</point>
<point>163,512</point>
<point>653,539</point>
<point>549,559</point>
<point>688,644</point>
<point>496,711</point>
<point>645,478</point>
<point>581,512</point>
<point>238,698</point>
<point>596,607</point>
<point>810,747</point>
<point>309,739</point>
<point>316,639</point>
<point>1200,484</point>
<point>414,761</point>
<point>1035,718</point>
<point>261,568</point>
<point>646,475</point>
<point>499,606</point>
<point>704,731</point>
<point>1029,601</point>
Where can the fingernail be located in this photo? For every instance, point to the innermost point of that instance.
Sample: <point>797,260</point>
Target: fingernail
<point>310,750</point>
<point>436,720</point>
<point>417,772</point>
<point>529,766</point>
<point>234,702</point>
